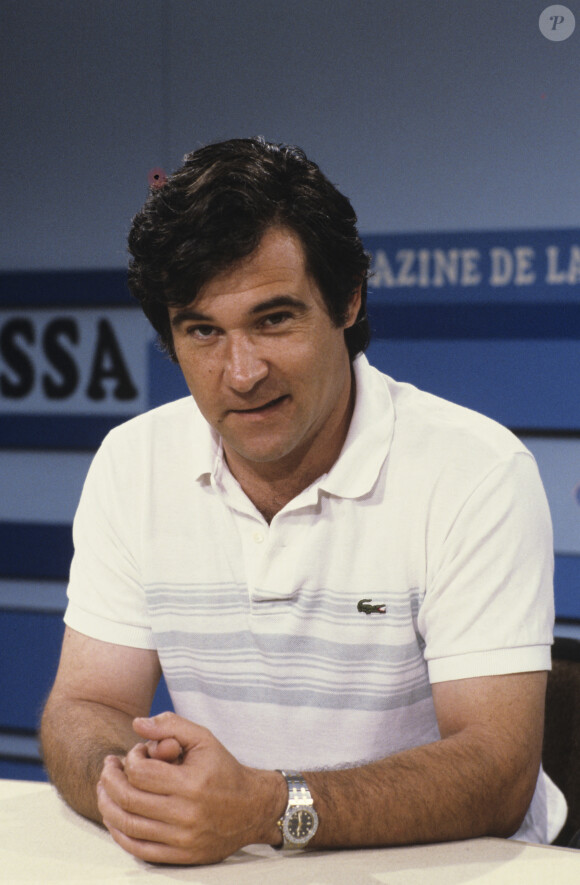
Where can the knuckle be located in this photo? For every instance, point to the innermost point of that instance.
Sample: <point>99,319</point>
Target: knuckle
<point>131,766</point>
<point>184,840</point>
<point>131,826</point>
<point>122,796</point>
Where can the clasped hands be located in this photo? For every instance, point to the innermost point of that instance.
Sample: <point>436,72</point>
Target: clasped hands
<point>180,797</point>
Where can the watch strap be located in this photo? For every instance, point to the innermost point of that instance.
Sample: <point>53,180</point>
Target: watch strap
<point>298,792</point>
<point>299,796</point>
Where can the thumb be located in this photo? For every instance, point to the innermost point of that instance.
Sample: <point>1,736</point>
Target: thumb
<point>168,725</point>
<point>167,750</point>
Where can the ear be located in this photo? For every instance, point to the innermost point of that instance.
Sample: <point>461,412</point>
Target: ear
<point>353,308</point>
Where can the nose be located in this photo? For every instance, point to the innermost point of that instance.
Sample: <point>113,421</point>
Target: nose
<point>244,367</point>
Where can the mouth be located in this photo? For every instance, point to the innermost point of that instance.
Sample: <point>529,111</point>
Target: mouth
<point>264,408</point>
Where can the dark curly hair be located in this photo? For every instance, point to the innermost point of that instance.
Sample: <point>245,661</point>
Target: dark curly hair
<point>213,212</point>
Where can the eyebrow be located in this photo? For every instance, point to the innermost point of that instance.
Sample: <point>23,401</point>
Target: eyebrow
<point>189,314</point>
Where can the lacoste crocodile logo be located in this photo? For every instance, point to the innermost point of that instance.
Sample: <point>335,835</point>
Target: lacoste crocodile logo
<point>365,606</point>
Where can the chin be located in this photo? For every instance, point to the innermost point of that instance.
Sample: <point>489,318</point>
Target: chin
<point>262,457</point>
<point>261,454</point>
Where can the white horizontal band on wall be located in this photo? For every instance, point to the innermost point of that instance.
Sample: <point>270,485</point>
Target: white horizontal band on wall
<point>41,487</point>
<point>45,596</point>
<point>567,631</point>
<point>19,747</point>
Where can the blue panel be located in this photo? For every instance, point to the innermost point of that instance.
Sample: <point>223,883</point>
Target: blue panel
<point>21,771</point>
<point>56,431</point>
<point>476,266</point>
<point>29,550</point>
<point>29,652</point>
<point>162,701</point>
<point>474,321</point>
<point>522,384</point>
<point>567,587</point>
<point>68,288</point>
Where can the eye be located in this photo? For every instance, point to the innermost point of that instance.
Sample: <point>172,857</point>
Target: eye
<point>276,319</point>
<point>201,332</point>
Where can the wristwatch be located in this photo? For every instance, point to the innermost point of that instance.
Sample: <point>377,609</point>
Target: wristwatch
<point>300,821</point>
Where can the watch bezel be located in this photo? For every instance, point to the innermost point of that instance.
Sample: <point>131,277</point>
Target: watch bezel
<point>299,841</point>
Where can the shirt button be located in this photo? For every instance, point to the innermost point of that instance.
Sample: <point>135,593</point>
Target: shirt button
<point>258,537</point>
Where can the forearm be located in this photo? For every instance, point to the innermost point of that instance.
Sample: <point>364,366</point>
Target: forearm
<point>76,736</point>
<point>452,789</point>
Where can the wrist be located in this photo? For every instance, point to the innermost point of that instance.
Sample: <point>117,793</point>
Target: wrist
<point>271,798</point>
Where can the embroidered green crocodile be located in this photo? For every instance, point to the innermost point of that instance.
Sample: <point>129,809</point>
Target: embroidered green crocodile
<point>365,606</point>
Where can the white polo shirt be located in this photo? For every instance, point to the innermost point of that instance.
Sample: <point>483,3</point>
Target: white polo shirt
<point>432,512</point>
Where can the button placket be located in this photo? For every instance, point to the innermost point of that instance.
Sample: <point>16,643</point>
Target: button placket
<point>255,543</point>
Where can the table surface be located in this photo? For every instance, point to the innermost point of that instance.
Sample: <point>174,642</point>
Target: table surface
<point>44,841</point>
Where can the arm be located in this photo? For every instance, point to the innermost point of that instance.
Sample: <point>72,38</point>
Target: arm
<point>98,690</point>
<point>477,780</point>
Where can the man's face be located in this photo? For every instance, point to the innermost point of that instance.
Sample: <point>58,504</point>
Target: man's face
<point>263,360</point>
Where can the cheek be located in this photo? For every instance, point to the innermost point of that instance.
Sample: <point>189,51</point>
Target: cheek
<point>194,369</point>
<point>199,382</point>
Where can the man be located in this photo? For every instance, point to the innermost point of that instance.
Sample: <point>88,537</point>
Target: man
<point>345,581</point>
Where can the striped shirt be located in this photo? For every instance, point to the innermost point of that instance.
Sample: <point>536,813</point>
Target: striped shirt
<point>423,555</point>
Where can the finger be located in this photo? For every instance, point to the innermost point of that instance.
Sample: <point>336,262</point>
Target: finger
<point>113,767</point>
<point>119,780</point>
<point>158,776</point>
<point>144,786</point>
<point>113,777</point>
<point>169,725</point>
<point>122,804</point>
<point>139,751</point>
<point>166,750</point>
<point>121,787</point>
<point>158,852</point>
<point>136,826</point>
<point>113,762</point>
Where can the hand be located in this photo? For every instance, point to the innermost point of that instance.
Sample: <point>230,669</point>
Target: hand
<point>199,811</point>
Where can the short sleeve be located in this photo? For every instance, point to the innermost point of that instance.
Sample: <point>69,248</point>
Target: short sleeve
<point>106,600</point>
<point>489,605</point>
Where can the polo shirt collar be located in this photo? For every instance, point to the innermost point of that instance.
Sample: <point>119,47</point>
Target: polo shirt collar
<point>369,436</point>
<point>205,447</point>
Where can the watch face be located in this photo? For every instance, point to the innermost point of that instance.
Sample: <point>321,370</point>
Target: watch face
<point>300,825</point>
